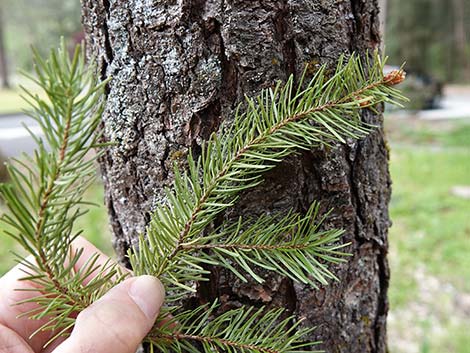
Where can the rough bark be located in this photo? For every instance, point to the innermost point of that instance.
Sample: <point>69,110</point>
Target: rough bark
<point>179,68</point>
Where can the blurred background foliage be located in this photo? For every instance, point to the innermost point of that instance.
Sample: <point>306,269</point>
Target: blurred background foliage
<point>40,23</point>
<point>431,36</point>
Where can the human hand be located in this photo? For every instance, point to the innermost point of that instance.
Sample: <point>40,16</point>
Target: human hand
<point>116,323</point>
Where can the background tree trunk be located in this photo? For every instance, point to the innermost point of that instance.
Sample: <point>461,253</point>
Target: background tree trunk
<point>179,68</point>
<point>4,74</point>
<point>460,37</point>
<point>383,7</point>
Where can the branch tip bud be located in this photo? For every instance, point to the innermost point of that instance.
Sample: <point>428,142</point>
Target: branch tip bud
<point>394,77</point>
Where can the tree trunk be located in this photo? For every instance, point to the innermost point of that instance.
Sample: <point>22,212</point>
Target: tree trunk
<point>4,74</point>
<point>179,68</point>
<point>383,19</point>
<point>460,37</point>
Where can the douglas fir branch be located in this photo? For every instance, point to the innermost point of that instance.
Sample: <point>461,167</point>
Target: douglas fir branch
<point>45,199</point>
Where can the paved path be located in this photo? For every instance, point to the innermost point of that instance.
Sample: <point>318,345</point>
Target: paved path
<point>14,138</point>
<point>455,105</point>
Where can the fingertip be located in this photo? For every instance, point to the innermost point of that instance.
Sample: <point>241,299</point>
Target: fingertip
<point>148,294</point>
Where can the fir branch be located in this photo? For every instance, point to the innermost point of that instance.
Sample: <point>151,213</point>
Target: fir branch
<point>293,246</point>
<point>46,190</point>
<point>41,257</point>
<point>277,123</point>
<point>239,330</point>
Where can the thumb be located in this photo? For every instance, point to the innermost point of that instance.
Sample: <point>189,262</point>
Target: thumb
<point>119,320</point>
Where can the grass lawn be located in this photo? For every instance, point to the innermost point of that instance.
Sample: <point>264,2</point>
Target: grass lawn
<point>430,236</point>
<point>432,225</point>
<point>11,101</point>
